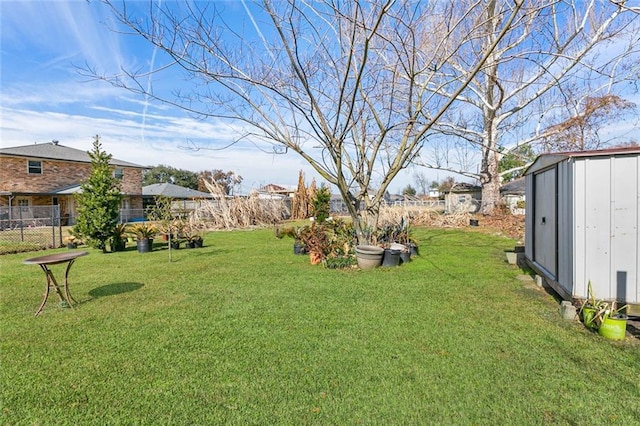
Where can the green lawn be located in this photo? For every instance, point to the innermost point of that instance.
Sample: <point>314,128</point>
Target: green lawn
<point>244,332</point>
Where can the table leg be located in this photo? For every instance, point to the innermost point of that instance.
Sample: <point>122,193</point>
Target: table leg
<point>66,284</point>
<point>52,283</point>
<point>46,289</point>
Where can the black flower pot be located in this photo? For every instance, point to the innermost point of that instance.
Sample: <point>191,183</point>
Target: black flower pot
<point>145,245</point>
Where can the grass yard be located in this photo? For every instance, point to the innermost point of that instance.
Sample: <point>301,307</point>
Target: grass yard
<point>244,332</point>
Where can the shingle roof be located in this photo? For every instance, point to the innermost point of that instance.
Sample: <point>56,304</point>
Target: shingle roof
<point>516,186</point>
<point>55,151</point>
<point>173,191</point>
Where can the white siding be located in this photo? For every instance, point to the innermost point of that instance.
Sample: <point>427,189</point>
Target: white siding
<point>606,227</point>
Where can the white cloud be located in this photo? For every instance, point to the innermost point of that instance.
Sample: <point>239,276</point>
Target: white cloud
<point>121,138</point>
<point>43,97</point>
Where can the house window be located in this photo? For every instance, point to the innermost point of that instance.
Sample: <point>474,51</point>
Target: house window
<point>118,173</point>
<point>462,198</point>
<point>23,202</point>
<point>34,167</point>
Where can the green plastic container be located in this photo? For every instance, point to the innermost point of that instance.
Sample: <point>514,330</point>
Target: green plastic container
<point>613,328</point>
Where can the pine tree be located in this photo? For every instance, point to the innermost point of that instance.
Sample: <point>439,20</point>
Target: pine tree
<point>99,200</point>
<point>321,203</point>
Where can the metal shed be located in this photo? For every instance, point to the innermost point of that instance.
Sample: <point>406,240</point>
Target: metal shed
<point>582,220</point>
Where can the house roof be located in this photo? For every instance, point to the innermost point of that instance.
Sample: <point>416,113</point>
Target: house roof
<point>272,187</point>
<point>464,187</point>
<point>174,191</point>
<point>547,160</point>
<point>55,151</point>
<point>516,186</point>
<point>69,189</point>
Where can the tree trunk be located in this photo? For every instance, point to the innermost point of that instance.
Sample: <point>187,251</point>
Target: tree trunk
<point>490,181</point>
<point>489,176</point>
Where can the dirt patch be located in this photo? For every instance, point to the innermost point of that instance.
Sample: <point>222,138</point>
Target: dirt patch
<point>503,223</point>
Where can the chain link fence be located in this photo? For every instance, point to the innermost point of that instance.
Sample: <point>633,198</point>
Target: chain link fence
<point>37,226</point>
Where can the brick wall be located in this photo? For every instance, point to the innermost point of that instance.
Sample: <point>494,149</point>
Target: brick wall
<point>55,175</point>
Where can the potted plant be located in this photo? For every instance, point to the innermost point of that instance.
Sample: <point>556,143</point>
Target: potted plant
<point>118,242</point>
<point>174,230</point>
<point>175,243</point>
<point>592,309</point>
<point>197,241</point>
<point>189,236</point>
<point>368,256</point>
<point>144,233</point>
<point>316,241</point>
<point>71,242</point>
<point>614,323</point>
<point>294,232</point>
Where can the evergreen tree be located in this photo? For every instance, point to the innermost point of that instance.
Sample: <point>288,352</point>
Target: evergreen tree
<point>409,190</point>
<point>168,174</point>
<point>99,200</point>
<point>513,164</point>
<point>321,203</point>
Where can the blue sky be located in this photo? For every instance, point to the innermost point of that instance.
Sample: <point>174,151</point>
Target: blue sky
<point>44,97</point>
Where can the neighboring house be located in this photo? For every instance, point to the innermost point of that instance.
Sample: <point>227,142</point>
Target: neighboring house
<point>48,174</point>
<point>513,195</point>
<point>272,189</point>
<point>463,197</point>
<point>183,198</point>
<point>393,199</point>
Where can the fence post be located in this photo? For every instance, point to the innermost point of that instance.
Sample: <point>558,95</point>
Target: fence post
<point>21,224</point>
<point>53,226</point>
<point>59,225</point>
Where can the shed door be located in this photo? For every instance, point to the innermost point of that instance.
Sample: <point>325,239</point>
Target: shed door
<point>544,221</point>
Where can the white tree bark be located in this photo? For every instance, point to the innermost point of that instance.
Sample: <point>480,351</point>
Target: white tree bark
<point>557,53</point>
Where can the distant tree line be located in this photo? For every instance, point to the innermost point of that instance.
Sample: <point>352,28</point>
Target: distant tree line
<point>194,180</point>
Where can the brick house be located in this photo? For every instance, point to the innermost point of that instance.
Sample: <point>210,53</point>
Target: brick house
<point>48,174</point>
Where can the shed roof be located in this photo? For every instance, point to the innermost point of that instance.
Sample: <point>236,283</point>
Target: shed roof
<point>55,151</point>
<point>547,160</point>
<point>174,191</point>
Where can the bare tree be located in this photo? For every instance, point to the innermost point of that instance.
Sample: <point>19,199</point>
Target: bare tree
<point>586,119</point>
<point>422,183</point>
<point>353,87</point>
<point>557,54</point>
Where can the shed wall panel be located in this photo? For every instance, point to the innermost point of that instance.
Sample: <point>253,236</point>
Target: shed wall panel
<point>597,187</point>
<point>579,251</point>
<point>623,279</point>
<point>565,272</point>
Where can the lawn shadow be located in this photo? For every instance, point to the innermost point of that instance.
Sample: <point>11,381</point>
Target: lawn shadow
<point>633,327</point>
<point>113,289</point>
